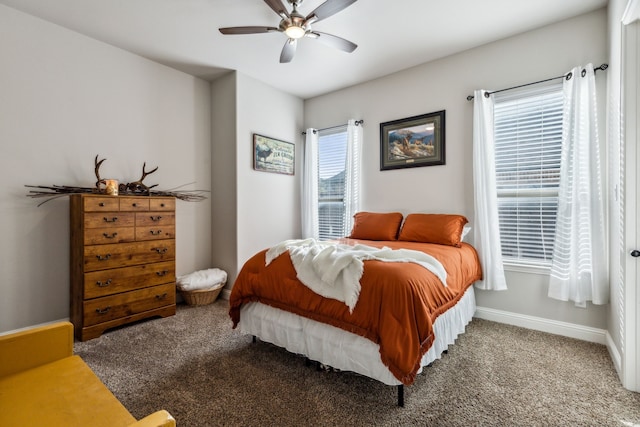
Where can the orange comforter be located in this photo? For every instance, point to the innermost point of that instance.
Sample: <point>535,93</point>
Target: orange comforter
<point>397,306</point>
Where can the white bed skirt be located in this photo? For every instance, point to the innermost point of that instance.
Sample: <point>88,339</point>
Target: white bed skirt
<point>341,349</point>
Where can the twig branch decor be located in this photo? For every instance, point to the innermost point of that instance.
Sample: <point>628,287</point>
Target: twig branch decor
<point>135,188</point>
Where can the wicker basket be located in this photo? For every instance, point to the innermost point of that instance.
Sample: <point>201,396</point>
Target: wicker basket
<point>202,297</point>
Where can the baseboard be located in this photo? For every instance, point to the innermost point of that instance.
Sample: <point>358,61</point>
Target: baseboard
<point>614,354</point>
<point>570,330</point>
<point>225,294</point>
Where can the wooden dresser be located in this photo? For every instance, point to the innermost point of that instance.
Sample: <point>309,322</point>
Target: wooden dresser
<point>122,261</point>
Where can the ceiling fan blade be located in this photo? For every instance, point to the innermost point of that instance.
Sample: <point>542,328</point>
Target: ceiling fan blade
<point>278,8</point>
<point>288,50</point>
<point>333,41</point>
<point>247,30</point>
<point>326,9</point>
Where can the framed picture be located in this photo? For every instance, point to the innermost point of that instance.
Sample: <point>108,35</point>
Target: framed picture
<point>273,155</point>
<point>412,142</point>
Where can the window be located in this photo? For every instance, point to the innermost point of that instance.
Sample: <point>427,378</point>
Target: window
<point>528,138</point>
<point>332,161</point>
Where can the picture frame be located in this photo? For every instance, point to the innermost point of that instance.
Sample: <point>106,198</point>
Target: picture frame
<point>273,155</point>
<point>413,141</point>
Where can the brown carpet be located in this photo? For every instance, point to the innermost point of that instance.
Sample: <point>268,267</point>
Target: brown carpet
<point>206,374</point>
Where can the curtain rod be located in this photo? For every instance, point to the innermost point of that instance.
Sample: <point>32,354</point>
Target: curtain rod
<point>358,122</point>
<point>568,76</point>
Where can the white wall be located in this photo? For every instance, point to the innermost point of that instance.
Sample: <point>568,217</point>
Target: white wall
<point>63,99</point>
<point>265,206</point>
<point>224,199</point>
<point>444,85</point>
<point>268,203</point>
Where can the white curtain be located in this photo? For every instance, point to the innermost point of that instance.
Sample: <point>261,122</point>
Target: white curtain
<point>579,265</point>
<point>352,174</point>
<point>486,230</point>
<point>310,227</point>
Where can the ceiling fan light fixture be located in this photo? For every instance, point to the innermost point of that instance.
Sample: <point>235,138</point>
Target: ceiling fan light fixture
<point>295,32</point>
<point>296,26</point>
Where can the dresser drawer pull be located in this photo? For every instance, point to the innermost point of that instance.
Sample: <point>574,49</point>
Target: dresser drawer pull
<point>135,205</point>
<point>114,219</point>
<point>109,236</point>
<point>155,218</point>
<point>101,204</point>
<point>162,205</point>
<point>162,273</point>
<point>160,297</point>
<point>103,258</point>
<point>160,250</point>
<point>103,310</point>
<point>102,284</point>
<point>155,232</point>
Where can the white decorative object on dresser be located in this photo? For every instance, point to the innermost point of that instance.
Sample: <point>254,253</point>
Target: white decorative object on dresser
<point>122,261</point>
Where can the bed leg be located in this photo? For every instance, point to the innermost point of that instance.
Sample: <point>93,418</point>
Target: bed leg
<point>253,340</point>
<point>308,362</point>
<point>401,395</point>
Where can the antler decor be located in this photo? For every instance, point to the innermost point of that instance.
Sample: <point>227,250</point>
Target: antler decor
<point>97,169</point>
<point>135,188</point>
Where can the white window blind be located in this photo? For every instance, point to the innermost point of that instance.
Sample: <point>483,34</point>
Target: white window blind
<point>528,137</point>
<point>332,160</point>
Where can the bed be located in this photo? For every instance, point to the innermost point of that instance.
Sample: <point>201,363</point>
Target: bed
<point>404,317</point>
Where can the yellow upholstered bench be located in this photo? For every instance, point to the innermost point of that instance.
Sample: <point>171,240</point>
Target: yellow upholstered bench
<point>43,384</point>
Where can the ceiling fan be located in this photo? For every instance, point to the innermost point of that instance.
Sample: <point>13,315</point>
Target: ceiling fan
<point>296,26</point>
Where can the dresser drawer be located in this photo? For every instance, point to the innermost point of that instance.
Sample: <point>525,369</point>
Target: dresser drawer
<point>109,219</point>
<point>100,204</point>
<point>107,282</point>
<point>102,236</point>
<point>104,309</point>
<point>148,219</point>
<point>136,203</point>
<point>155,233</point>
<point>162,204</point>
<point>101,257</point>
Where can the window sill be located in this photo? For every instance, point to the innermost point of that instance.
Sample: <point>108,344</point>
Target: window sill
<point>522,267</point>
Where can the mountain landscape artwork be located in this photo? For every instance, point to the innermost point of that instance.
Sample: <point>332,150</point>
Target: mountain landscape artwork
<point>411,142</point>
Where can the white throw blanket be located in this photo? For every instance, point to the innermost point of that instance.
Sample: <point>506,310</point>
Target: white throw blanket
<point>334,270</point>
<point>202,279</point>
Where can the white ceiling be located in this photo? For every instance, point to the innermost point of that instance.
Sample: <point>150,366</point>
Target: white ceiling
<point>391,35</point>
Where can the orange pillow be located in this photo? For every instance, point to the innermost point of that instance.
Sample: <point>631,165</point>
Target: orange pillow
<point>376,226</point>
<point>442,229</point>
